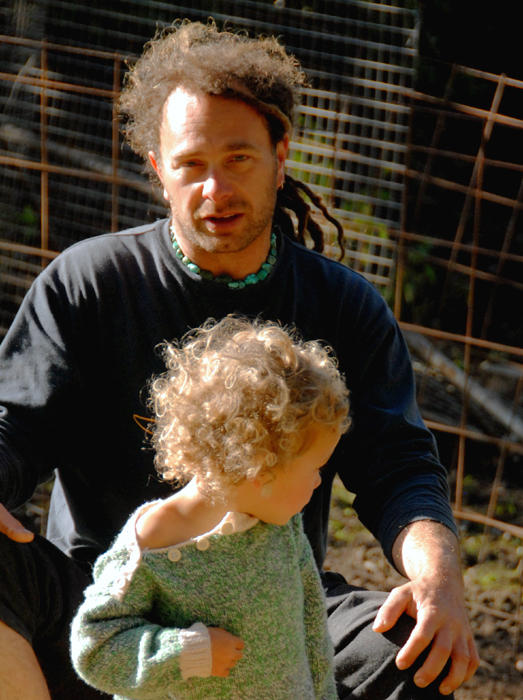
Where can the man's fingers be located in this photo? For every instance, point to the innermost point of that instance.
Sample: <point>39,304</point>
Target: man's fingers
<point>474,659</point>
<point>389,613</point>
<point>434,664</point>
<point>464,665</point>
<point>13,528</point>
<point>463,655</point>
<point>420,638</point>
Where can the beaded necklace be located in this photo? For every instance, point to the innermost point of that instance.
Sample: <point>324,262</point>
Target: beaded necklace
<point>232,283</point>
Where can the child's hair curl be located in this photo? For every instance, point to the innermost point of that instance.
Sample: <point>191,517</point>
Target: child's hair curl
<point>237,399</point>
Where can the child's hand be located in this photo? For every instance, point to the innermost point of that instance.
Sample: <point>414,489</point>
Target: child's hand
<point>226,651</point>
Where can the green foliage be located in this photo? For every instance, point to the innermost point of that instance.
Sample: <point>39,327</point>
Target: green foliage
<point>420,275</point>
<point>29,222</point>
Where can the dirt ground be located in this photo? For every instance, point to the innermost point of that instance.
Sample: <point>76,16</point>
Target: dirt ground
<point>495,583</point>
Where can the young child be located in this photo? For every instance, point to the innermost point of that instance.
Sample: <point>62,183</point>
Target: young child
<point>213,592</point>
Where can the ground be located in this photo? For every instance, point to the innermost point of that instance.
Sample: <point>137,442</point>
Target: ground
<point>494,583</point>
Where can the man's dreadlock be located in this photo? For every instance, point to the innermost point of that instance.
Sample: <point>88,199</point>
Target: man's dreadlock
<point>290,198</point>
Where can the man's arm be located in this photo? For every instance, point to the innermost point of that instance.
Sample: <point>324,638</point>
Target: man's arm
<point>427,553</point>
<point>35,376</point>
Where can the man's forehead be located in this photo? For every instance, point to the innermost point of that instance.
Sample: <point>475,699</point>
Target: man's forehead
<point>192,120</point>
<point>183,104</point>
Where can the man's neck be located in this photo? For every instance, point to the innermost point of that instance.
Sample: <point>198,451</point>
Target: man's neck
<point>237,264</point>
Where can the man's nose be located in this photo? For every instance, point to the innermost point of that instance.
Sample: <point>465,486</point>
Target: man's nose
<point>216,186</point>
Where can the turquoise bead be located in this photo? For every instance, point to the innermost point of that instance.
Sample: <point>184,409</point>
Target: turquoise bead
<point>251,279</point>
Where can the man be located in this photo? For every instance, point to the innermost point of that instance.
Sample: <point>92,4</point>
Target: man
<point>212,112</point>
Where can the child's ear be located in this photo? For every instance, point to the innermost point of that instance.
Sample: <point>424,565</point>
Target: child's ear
<point>263,483</point>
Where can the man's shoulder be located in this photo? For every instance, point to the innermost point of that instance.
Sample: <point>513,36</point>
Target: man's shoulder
<point>127,239</point>
<point>333,273</point>
<point>333,292</point>
<point>100,253</point>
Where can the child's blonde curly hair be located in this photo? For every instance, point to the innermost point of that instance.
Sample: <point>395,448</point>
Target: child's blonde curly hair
<point>237,399</point>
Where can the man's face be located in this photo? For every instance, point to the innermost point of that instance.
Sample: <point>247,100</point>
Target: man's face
<point>220,174</point>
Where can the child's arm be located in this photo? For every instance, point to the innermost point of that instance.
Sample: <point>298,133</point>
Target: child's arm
<point>117,649</point>
<point>319,645</point>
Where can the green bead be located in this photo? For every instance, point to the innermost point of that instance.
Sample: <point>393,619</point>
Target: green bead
<point>251,279</point>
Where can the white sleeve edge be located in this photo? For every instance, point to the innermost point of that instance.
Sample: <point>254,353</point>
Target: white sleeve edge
<point>196,656</point>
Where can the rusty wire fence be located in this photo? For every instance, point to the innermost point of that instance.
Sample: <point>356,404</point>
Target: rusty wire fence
<point>436,225</point>
<point>65,174</point>
<point>461,242</point>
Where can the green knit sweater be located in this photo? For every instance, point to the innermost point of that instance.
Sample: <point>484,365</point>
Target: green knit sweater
<point>139,632</point>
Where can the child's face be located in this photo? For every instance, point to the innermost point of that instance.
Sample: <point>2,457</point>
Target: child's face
<point>290,488</point>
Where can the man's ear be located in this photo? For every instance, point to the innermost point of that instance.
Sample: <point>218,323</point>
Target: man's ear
<point>282,149</point>
<point>158,171</point>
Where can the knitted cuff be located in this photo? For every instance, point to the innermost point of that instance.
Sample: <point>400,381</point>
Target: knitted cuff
<point>195,657</point>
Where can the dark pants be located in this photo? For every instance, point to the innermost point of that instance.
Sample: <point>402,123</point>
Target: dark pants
<point>364,660</point>
<point>41,588</point>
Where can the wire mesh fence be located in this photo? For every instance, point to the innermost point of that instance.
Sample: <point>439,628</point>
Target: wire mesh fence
<point>458,296</point>
<point>66,176</point>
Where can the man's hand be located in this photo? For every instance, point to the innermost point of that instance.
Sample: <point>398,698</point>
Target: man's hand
<point>13,528</point>
<point>226,651</point>
<point>427,553</point>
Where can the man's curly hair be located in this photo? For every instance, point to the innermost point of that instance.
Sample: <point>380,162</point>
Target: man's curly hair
<point>238,398</point>
<point>202,59</point>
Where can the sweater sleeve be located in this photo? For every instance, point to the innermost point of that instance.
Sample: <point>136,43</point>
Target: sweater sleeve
<point>318,643</point>
<point>114,645</point>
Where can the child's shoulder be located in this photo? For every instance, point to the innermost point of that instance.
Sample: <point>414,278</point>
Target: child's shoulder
<point>120,561</point>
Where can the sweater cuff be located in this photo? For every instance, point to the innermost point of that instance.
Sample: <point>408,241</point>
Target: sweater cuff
<point>196,657</point>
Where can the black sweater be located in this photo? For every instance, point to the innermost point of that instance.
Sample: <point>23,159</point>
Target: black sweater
<point>80,351</point>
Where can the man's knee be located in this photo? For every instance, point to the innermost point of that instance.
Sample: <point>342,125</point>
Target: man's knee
<point>365,660</point>
<point>21,677</point>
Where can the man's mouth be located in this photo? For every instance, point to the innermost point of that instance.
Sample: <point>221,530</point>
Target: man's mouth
<point>221,219</point>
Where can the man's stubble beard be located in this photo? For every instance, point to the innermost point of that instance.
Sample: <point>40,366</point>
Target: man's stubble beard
<point>200,237</point>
